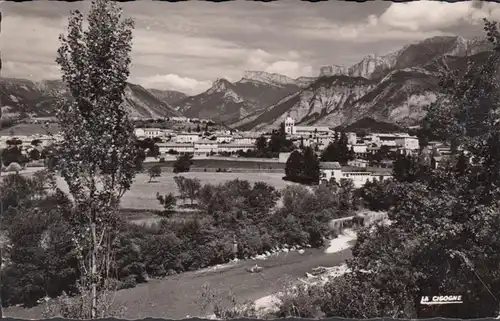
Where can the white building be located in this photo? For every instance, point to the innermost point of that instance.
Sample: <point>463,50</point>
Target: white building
<point>246,139</point>
<point>408,142</point>
<point>361,163</point>
<point>331,170</point>
<point>205,147</point>
<point>233,148</point>
<point>179,119</point>
<point>149,132</point>
<point>187,137</point>
<point>309,131</point>
<point>180,148</point>
<point>224,138</point>
<point>352,138</point>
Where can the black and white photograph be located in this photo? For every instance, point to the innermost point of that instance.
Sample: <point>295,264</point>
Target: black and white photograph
<point>249,159</point>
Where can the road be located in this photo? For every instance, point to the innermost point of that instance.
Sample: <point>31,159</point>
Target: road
<point>177,296</point>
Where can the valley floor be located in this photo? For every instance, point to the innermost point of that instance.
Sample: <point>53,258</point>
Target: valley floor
<point>176,296</point>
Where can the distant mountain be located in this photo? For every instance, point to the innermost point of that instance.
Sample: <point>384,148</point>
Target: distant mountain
<point>169,96</point>
<point>229,102</point>
<point>19,97</point>
<point>413,55</point>
<point>393,89</point>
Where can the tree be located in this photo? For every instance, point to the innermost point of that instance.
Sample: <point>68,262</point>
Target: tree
<point>96,151</point>
<point>12,155</point>
<point>444,236</point>
<point>154,172</point>
<point>181,186</point>
<point>294,166</point>
<point>183,163</point>
<point>338,151</point>
<point>168,201</point>
<point>34,154</point>
<point>311,170</point>
<point>153,151</point>
<point>192,187</point>
<point>261,143</point>
<point>407,168</point>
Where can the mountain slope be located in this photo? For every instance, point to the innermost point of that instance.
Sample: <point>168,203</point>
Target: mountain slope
<point>399,98</point>
<point>230,102</point>
<point>412,55</point>
<point>19,97</point>
<point>169,96</point>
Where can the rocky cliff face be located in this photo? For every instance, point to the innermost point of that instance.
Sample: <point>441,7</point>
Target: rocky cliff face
<point>400,97</point>
<point>413,55</point>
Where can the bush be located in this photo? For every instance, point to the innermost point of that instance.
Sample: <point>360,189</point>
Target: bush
<point>183,163</point>
<point>235,211</point>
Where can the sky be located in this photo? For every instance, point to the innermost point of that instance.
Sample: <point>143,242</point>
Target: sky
<point>187,45</point>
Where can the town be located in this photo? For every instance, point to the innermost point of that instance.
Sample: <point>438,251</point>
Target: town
<point>373,153</point>
<point>284,160</point>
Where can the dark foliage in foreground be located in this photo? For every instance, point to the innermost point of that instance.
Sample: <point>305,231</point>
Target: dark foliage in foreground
<point>42,262</point>
<point>444,236</point>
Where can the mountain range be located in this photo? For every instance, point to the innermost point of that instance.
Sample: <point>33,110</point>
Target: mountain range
<point>392,88</point>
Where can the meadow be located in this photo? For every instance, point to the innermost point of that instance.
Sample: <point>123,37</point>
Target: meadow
<point>142,195</point>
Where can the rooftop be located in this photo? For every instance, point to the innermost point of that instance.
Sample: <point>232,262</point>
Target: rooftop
<point>330,165</point>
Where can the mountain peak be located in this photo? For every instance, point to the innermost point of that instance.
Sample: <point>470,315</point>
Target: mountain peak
<point>220,85</point>
<point>273,79</point>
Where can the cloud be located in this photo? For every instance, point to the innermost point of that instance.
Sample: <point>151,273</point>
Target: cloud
<point>185,46</point>
<point>175,82</point>
<point>434,15</point>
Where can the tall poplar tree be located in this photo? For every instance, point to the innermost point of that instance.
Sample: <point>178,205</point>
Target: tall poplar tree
<point>97,150</point>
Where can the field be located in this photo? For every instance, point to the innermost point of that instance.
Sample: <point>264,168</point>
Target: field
<point>224,163</point>
<point>29,129</point>
<point>142,194</point>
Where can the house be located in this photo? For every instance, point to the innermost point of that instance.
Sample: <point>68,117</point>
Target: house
<point>223,138</point>
<point>180,148</point>
<point>333,170</point>
<point>360,150</point>
<point>187,137</point>
<point>179,119</point>
<point>246,138</point>
<point>234,148</point>
<point>205,147</point>
<point>153,132</point>
<point>407,142</point>
<point>361,163</point>
<point>352,138</point>
<point>149,132</point>
<point>305,131</point>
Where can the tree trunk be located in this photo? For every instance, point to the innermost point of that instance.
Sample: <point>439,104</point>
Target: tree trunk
<point>93,262</point>
<point>1,245</point>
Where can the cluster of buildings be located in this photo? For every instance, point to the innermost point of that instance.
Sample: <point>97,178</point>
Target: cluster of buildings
<point>318,137</point>
<point>199,144</point>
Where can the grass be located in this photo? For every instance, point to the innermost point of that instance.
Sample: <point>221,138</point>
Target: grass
<point>29,129</point>
<point>142,195</point>
<point>222,163</point>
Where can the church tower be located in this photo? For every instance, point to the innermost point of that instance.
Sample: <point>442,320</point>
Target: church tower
<point>289,125</point>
